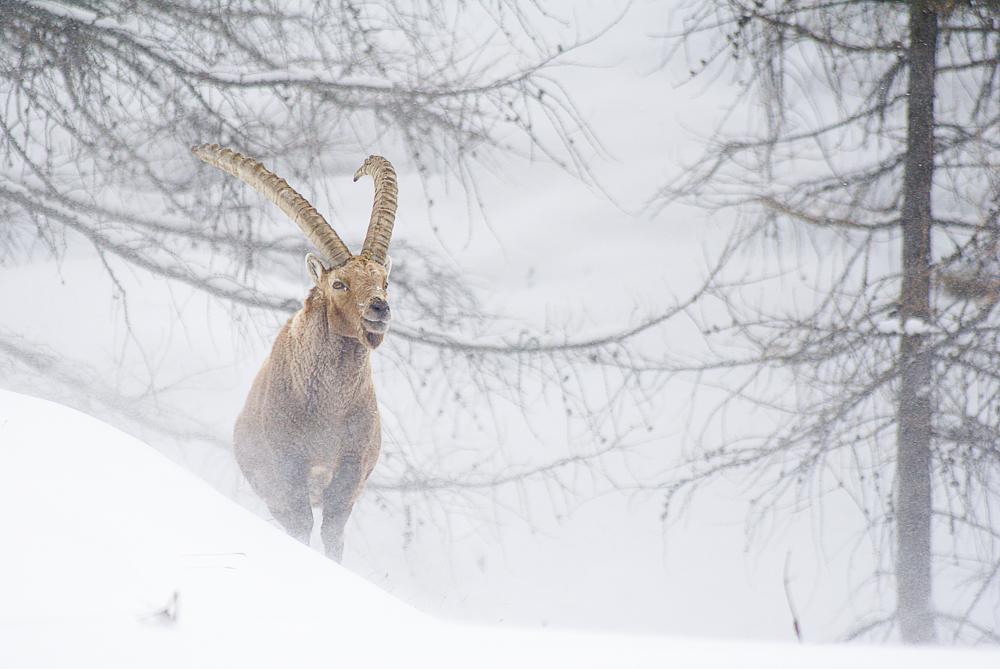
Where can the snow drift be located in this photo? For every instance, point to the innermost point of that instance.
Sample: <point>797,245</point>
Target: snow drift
<point>113,556</point>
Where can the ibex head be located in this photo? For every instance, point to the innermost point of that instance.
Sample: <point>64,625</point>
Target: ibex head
<point>353,287</point>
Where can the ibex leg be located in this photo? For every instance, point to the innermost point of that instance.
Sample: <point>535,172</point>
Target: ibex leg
<point>297,522</point>
<point>292,508</point>
<point>338,500</point>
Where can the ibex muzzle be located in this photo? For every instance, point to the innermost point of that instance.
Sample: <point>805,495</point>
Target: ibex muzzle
<point>309,433</point>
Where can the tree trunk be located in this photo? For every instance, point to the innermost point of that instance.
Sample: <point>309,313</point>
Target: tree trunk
<point>913,461</point>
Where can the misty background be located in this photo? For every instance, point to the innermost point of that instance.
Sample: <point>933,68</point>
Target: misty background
<point>644,361</point>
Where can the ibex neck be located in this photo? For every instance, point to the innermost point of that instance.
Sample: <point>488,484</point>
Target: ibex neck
<point>329,360</point>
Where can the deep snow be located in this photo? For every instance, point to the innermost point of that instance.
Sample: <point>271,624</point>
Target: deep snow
<point>99,532</point>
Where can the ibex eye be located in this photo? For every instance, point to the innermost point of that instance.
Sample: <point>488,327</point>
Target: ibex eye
<point>339,285</point>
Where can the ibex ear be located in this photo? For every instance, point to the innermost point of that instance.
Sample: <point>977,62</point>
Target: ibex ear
<point>387,264</point>
<point>315,268</point>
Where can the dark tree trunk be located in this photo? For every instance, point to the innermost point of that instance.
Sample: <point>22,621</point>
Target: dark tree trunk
<point>913,464</point>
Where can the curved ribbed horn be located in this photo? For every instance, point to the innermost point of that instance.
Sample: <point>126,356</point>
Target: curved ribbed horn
<point>383,211</point>
<point>279,192</point>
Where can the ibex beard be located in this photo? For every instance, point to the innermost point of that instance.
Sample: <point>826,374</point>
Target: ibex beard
<point>309,433</point>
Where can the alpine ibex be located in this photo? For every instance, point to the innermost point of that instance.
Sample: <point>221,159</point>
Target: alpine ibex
<point>309,434</point>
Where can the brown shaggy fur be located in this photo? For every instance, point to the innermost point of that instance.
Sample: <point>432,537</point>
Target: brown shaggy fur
<point>309,434</point>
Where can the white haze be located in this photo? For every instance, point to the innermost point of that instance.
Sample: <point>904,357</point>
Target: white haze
<point>604,563</point>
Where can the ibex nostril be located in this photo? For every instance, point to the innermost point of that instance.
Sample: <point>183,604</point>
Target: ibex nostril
<point>379,308</point>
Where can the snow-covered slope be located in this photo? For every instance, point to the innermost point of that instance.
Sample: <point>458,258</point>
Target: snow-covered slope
<point>113,556</point>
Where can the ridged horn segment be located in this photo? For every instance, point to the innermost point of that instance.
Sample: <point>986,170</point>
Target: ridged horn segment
<point>383,211</point>
<point>279,192</point>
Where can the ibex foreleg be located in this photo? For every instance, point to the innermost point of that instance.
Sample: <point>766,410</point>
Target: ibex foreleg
<point>338,500</point>
<point>293,510</point>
